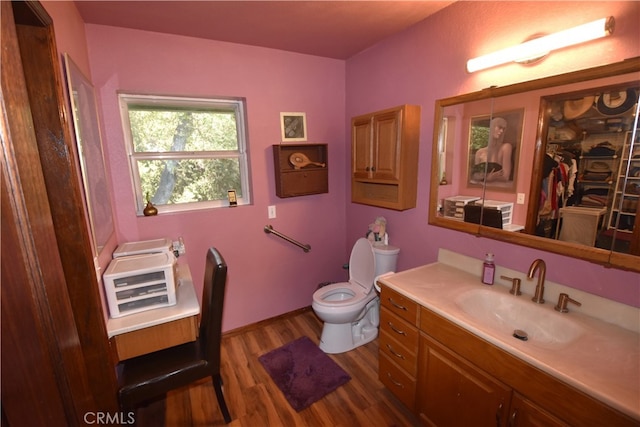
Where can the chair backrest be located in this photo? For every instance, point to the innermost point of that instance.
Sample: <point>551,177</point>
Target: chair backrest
<point>215,278</point>
<point>490,217</point>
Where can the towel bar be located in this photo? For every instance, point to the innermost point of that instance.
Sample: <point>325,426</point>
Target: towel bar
<point>269,229</point>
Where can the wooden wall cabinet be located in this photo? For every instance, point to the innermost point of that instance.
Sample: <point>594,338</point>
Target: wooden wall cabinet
<point>384,157</point>
<point>301,169</point>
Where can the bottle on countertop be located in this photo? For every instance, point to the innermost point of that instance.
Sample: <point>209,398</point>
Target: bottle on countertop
<point>488,270</point>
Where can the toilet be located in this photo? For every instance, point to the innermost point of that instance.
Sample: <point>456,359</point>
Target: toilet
<point>351,310</point>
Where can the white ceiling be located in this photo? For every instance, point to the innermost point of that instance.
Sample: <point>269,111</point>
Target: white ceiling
<point>333,29</point>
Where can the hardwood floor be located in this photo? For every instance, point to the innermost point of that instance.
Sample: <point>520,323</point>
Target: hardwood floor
<point>255,401</point>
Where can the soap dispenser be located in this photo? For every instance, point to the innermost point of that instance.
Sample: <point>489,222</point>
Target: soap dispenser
<point>488,270</point>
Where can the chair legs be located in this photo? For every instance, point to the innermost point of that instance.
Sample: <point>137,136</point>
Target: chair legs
<point>217,385</point>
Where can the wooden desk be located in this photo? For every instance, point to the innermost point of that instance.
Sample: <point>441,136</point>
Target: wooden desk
<point>160,328</point>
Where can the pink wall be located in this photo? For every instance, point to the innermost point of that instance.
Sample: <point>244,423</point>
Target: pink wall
<point>267,276</point>
<point>427,62</point>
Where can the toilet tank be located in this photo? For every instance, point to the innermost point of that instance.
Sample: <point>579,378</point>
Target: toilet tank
<point>386,258</point>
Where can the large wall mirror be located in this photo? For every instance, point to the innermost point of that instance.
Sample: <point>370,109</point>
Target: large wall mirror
<point>552,164</point>
<point>89,143</point>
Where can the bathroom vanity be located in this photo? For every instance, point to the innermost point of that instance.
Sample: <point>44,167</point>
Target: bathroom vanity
<point>447,351</point>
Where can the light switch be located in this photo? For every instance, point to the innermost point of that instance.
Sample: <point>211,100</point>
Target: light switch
<point>520,199</point>
<point>272,212</point>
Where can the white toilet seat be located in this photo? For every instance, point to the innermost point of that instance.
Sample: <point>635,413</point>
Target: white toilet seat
<point>333,296</point>
<point>362,265</point>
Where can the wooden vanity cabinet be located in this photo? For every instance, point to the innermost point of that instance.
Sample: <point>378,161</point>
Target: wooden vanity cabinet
<point>452,392</point>
<point>451,377</point>
<point>384,157</point>
<point>477,366</point>
<point>398,345</point>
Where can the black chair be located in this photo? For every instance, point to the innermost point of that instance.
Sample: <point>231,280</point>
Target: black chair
<point>152,375</point>
<point>490,217</point>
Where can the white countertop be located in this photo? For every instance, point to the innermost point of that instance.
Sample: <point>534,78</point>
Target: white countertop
<point>604,362</point>
<point>186,305</point>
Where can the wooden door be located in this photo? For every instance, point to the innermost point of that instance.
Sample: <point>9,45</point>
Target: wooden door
<point>361,148</point>
<point>451,392</point>
<point>386,145</point>
<point>56,362</point>
<point>524,413</point>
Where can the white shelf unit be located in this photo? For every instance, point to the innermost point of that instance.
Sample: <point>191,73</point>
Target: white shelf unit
<point>138,283</point>
<point>454,206</point>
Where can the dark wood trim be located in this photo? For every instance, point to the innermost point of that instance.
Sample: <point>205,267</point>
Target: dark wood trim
<point>58,156</point>
<point>60,365</point>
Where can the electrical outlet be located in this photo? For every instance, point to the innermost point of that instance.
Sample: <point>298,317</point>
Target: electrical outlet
<point>520,199</point>
<point>272,212</point>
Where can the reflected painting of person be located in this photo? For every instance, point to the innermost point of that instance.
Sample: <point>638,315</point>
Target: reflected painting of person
<point>493,163</point>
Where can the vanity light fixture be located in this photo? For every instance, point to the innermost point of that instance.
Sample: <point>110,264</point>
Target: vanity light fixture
<point>539,47</point>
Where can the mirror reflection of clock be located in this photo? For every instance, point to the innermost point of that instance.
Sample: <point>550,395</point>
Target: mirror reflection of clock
<point>293,127</point>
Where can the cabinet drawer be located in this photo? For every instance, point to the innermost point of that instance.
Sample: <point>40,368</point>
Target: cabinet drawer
<point>154,338</point>
<point>399,305</point>
<point>401,331</point>
<point>397,381</point>
<point>403,357</point>
<point>298,183</point>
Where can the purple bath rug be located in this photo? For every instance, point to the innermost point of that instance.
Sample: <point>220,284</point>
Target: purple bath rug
<point>303,372</point>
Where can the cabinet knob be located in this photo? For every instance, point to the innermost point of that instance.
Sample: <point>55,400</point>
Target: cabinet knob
<point>397,383</point>
<point>392,351</point>
<point>396,305</point>
<point>499,415</point>
<point>514,417</point>
<point>396,330</point>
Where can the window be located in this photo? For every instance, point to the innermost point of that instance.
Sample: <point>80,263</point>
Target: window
<point>185,153</point>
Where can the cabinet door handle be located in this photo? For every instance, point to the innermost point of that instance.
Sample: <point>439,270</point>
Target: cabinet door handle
<point>397,331</point>
<point>367,168</point>
<point>499,415</point>
<point>394,381</point>
<point>512,419</point>
<point>396,305</point>
<point>373,169</point>
<point>398,355</point>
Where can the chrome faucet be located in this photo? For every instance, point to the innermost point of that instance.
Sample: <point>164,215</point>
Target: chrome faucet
<point>542,270</point>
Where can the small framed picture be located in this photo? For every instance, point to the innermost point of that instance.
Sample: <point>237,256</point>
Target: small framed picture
<point>233,199</point>
<point>293,126</point>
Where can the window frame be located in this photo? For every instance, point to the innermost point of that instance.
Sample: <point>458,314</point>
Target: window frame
<point>238,105</point>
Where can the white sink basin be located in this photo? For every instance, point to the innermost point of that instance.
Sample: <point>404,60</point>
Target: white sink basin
<point>505,313</point>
